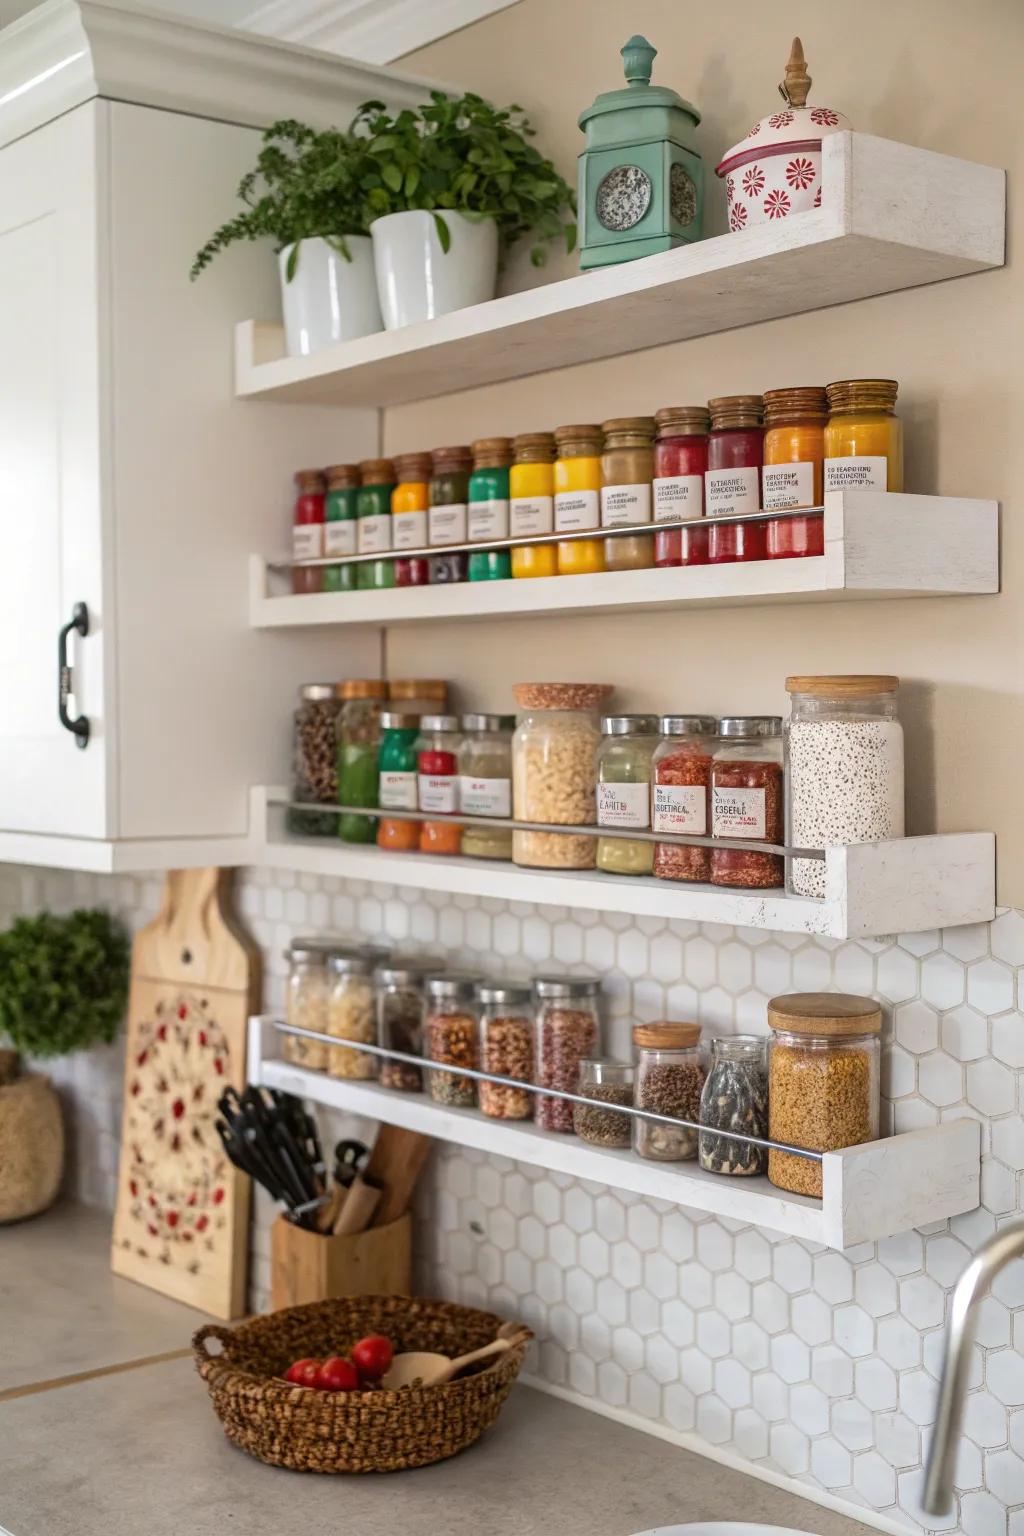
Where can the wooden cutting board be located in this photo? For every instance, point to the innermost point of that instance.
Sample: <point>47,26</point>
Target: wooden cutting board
<point>182,1218</point>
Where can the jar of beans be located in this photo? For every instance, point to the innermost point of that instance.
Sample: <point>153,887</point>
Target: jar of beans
<point>680,794</point>
<point>670,1076</point>
<point>747,801</point>
<point>600,1123</point>
<point>734,1098</point>
<point>450,1038</point>
<point>400,1024</point>
<point>306,1002</point>
<point>351,1014</point>
<point>567,1030</point>
<point>554,767</point>
<point>823,1080</point>
<point>506,1048</point>
<point>314,759</point>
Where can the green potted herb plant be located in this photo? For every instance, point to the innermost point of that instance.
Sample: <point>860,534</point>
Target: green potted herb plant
<point>63,985</point>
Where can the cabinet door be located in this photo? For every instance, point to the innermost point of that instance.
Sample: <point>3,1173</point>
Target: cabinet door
<point>51,476</point>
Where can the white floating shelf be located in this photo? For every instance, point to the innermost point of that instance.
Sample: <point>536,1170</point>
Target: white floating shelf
<point>891,217</point>
<point>869,1192</point>
<point>877,544</point>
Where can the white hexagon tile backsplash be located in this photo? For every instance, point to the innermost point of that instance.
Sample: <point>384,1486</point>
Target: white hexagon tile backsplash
<point>818,1365</point>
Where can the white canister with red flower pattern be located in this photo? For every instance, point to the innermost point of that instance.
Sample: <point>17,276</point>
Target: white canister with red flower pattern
<point>775,171</point>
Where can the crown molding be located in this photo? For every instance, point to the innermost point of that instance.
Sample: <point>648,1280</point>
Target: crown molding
<point>377,31</point>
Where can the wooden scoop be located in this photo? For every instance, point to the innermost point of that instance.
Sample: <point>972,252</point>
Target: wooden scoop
<point>430,1370</point>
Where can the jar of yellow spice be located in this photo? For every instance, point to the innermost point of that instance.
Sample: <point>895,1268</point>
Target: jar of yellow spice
<point>863,436</point>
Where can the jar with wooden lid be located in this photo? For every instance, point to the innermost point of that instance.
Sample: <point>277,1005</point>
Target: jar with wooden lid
<point>485,782</point>
<point>680,464</point>
<point>747,801</point>
<point>863,436</point>
<point>554,770</point>
<point>447,518</point>
<point>531,480</point>
<point>732,484</point>
<point>340,525</point>
<point>844,768</point>
<point>373,523</point>
<point>418,695</point>
<point>624,791</point>
<point>358,752</point>
<point>578,498</point>
<point>487,517</point>
<point>410,502</point>
<point>627,471</point>
<point>670,1075</point>
<point>794,451</point>
<point>823,1080</point>
<point>308,529</point>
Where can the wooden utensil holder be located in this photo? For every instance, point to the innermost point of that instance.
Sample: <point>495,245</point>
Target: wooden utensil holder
<point>309,1266</point>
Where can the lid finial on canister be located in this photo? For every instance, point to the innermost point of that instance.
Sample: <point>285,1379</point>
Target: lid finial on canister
<point>638,57</point>
<point>795,88</point>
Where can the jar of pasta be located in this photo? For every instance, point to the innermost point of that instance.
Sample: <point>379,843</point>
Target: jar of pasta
<point>485,782</point>
<point>566,1032</point>
<point>794,448</point>
<point>450,1038</point>
<point>351,1014</point>
<point>554,769</point>
<point>306,1002</point>
<point>681,794</point>
<point>627,469</point>
<point>624,791</point>
<point>747,801</point>
<point>863,436</point>
<point>506,1048</point>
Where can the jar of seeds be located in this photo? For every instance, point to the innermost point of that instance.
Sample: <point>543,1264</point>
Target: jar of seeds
<point>506,1048</point>
<point>400,1024</point>
<point>306,1002</point>
<point>350,1014</point>
<point>566,1031</point>
<point>314,759</point>
<point>612,1083</point>
<point>735,1098</point>
<point>669,1079</point>
<point>450,1038</point>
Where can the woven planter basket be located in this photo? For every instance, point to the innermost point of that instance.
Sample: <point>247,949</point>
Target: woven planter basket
<point>311,1431</point>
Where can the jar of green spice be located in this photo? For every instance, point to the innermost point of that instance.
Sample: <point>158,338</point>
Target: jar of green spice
<point>488,508</point>
<point>446,517</point>
<point>373,523</point>
<point>624,791</point>
<point>358,752</point>
<point>340,525</point>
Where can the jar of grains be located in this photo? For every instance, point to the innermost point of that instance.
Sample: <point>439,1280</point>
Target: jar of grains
<point>627,469</point>
<point>610,1082</point>
<point>680,464</point>
<point>624,791</point>
<point>554,767</point>
<point>306,1002</point>
<point>566,1031</point>
<point>400,1024</point>
<point>450,1038</point>
<point>506,1048</point>
<point>734,1098</point>
<point>351,1014</point>
<point>437,776</point>
<point>681,790</point>
<point>844,768</point>
<point>358,749</point>
<point>669,1079</point>
<point>485,782</point>
<point>746,800</point>
<point>314,759</point>
<point>823,1080</point>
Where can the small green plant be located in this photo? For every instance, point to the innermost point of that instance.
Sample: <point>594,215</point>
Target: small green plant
<point>63,981</point>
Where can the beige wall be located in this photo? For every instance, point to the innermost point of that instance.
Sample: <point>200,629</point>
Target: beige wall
<point>932,72</point>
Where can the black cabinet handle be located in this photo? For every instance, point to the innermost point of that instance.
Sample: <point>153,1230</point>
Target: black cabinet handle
<point>79,622</point>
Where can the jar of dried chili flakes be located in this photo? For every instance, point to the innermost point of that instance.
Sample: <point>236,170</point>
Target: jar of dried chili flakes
<point>680,791</point>
<point>747,800</point>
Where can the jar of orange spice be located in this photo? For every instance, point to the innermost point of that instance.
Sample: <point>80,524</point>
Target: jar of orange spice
<point>794,449</point>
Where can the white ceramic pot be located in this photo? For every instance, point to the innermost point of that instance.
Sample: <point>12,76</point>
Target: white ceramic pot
<point>329,299</point>
<point>417,280</point>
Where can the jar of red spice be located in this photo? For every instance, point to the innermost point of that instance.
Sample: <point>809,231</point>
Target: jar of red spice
<point>732,484</point>
<point>680,791</point>
<point>680,463</point>
<point>747,800</point>
<point>794,451</point>
<point>308,529</point>
<point>437,768</point>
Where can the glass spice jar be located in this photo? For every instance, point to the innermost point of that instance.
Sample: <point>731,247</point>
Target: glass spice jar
<point>823,1080</point>
<point>314,759</point>
<point>397,790</point>
<point>399,992</point>
<point>554,766</point>
<point>340,525</point>
<point>747,801</point>
<point>306,1002</point>
<point>794,450</point>
<point>680,794</point>
<point>578,498</point>
<point>680,464</point>
<point>308,530</point>
<point>624,791</point>
<point>611,1083</point>
<point>734,1098</point>
<point>627,469</point>
<point>351,1014</point>
<point>437,778</point>
<point>447,517</point>
<point>863,436</point>
<point>566,1031</point>
<point>373,523</point>
<point>732,484</point>
<point>487,518</point>
<point>450,1038</point>
<point>485,782</point>
<point>358,753</point>
<point>410,502</point>
<point>669,1080</point>
<point>506,1048</point>
<point>531,482</point>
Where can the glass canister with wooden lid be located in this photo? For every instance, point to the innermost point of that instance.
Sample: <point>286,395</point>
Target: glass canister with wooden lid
<point>670,1073</point>
<point>823,1080</point>
<point>794,447</point>
<point>863,436</point>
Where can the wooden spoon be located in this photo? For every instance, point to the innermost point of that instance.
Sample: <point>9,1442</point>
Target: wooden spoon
<point>433,1370</point>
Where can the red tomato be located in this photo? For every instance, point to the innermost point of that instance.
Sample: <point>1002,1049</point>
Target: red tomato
<point>303,1373</point>
<point>337,1375</point>
<point>373,1356</point>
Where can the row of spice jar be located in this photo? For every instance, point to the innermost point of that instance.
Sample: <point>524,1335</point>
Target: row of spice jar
<point>739,454</point>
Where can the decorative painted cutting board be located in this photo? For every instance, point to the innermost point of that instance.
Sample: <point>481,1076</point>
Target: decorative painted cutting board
<point>182,1218</point>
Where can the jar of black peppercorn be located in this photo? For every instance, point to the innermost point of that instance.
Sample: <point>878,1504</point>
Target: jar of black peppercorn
<point>735,1098</point>
<point>314,761</point>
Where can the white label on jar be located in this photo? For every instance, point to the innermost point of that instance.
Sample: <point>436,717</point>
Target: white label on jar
<point>623,805</point>
<point>787,485</point>
<point>307,541</point>
<point>397,792</point>
<point>409,530</point>
<point>732,490</point>
<point>485,797</point>
<point>625,504</point>
<point>678,496</point>
<point>577,509</point>
<point>374,534</point>
<point>737,813</point>
<point>488,520</point>
<point>680,808</point>
<point>867,473</point>
<point>340,537</point>
<point>448,523</point>
<point>531,514</point>
<point>439,792</point>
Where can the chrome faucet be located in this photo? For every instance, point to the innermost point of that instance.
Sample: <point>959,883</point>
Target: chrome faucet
<point>991,1257</point>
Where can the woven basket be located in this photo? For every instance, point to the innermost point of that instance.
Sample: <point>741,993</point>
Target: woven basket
<point>382,1431</point>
